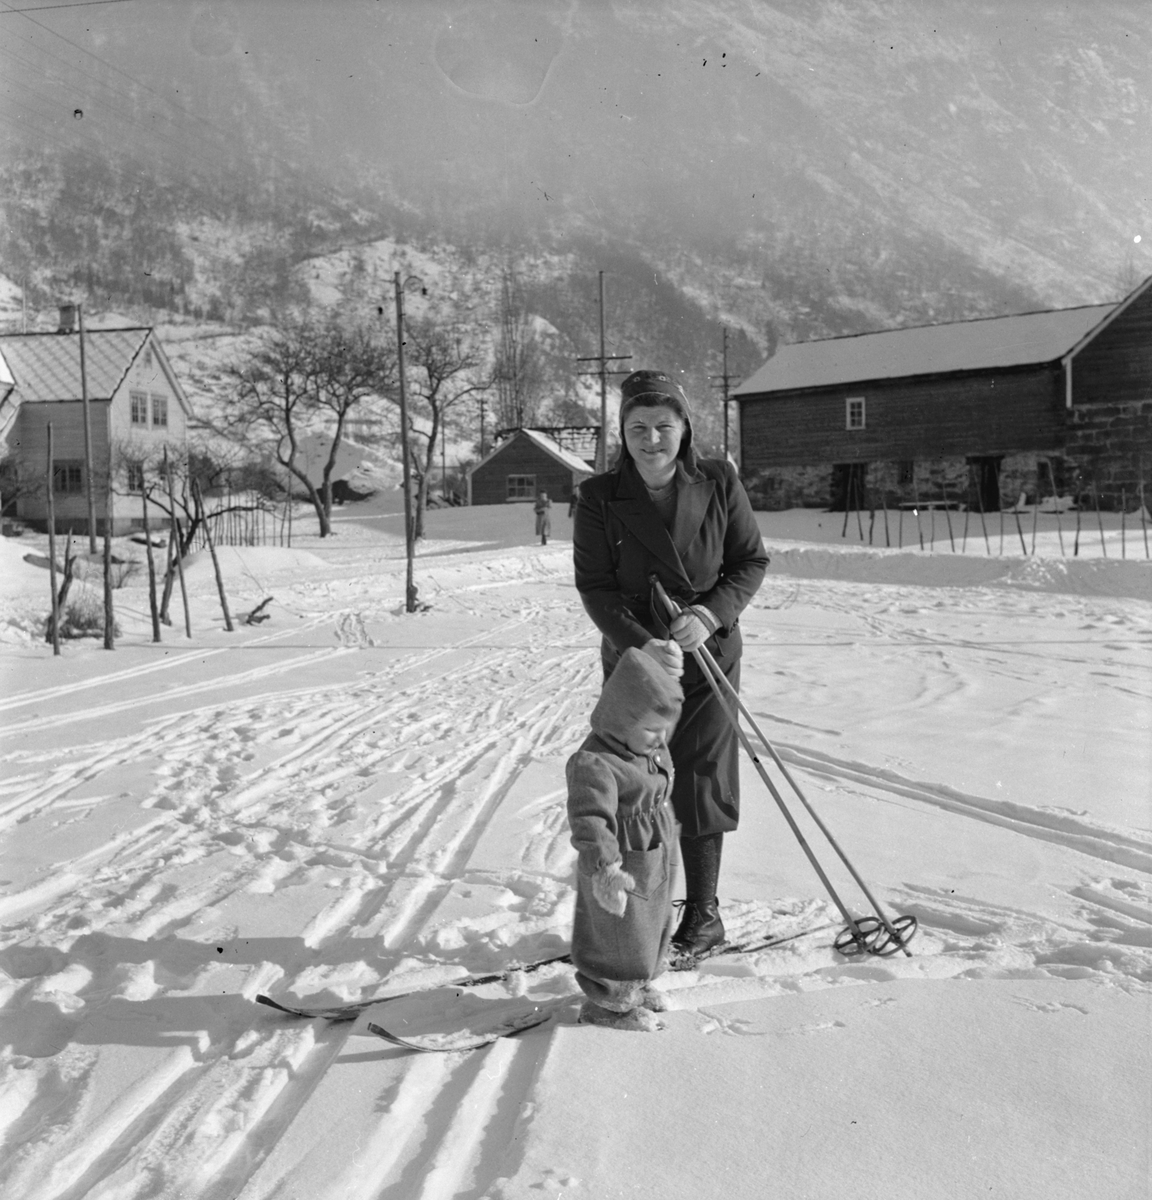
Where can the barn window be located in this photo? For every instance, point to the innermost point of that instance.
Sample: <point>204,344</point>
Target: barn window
<point>135,472</point>
<point>67,477</point>
<point>906,471</point>
<point>139,406</point>
<point>854,418</point>
<point>160,410</point>
<point>521,487</point>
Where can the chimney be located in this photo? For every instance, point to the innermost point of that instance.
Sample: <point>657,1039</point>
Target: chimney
<point>67,318</point>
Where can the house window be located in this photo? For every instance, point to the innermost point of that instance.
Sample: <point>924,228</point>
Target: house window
<point>854,418</point>
<point>67,477</point>
<point>135,472</point>
<point>139,403</point>
<point>159,411</point>
<point>906,471</point>
<point>521,487</point>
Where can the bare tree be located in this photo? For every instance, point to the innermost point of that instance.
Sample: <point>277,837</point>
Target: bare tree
<point>196,472</point>
<point>308,376</point>
<point>446,368</point>
<point>519,373</point>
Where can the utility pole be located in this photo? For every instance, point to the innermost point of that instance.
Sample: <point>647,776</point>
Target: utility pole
<point>603,359</point>
<point>409,540</point>
<point>722,381</point>
<point>87,438</point>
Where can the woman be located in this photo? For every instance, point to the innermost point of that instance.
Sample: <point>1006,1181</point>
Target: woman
<point>662,511</point>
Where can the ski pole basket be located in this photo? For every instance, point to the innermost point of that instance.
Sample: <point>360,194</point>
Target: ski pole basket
<point>875,935</point>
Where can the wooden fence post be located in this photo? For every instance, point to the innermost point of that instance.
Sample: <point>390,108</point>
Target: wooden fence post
<point>109,613</point>
<point>55,617</point>
<point>179,555</point>
<point>1143,510</point>
<point>1123,515</point>
<point>152,606</point>
<point>198,496</point>
<point>1099,519</point>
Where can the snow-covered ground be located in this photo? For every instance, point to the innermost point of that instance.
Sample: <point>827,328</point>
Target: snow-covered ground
<point>347,801</point>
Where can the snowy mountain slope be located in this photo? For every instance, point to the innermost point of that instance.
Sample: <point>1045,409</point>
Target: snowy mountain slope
<point>815,168</point>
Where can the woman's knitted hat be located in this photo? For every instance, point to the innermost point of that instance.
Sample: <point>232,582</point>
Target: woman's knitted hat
<point>637,687</point>
<point>655,389</point>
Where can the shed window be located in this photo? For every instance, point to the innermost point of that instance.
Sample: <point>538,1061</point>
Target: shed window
<point>139,403</point>
<point>160,410</point>
<point>521,487</point>
<point>67,477</point>
<point>907,471</point>
<point>854,412</point>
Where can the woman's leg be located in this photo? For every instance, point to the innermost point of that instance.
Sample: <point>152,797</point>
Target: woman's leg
<point>700,925</point>
<point>706,797</point>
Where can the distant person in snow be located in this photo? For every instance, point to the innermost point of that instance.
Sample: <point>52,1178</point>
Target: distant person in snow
<point>663,511</point>
<point>543,511</point>
<point>625,835</point>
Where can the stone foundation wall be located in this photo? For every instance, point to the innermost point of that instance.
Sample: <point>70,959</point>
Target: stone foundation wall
<point>772,489</point>
<point>1108,452</point>
<point>953,479</point>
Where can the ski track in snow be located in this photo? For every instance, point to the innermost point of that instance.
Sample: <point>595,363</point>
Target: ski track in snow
<point>327,840</point>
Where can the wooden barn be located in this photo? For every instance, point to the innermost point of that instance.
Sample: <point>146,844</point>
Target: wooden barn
<point>527,461</point>
<point>136,407</point>
<point>974,412</point>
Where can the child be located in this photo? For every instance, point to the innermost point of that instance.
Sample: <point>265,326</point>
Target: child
<point>619,783</point>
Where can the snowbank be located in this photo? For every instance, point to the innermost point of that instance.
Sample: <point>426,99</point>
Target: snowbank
<point>347,801</point>
<point>1084,577</point>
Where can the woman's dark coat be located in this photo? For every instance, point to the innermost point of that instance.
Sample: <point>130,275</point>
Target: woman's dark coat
<point>713,555</point>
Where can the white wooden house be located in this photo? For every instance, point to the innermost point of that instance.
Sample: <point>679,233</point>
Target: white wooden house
<point>136,408</point>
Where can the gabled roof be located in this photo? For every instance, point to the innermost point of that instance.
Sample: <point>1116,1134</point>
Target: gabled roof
<point>989,342</point>
<point>46,366</point>
<point>571,461</point>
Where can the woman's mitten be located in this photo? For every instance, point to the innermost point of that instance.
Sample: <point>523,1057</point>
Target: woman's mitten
<point>610,886</point>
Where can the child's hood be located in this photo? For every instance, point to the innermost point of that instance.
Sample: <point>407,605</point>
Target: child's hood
<point>637,688</point>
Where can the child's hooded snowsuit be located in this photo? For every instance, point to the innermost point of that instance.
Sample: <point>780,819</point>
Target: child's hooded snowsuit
<point>620,812</point>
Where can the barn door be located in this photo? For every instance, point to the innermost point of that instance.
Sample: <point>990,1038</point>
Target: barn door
<point>985,482</point>
<point>848,487</point>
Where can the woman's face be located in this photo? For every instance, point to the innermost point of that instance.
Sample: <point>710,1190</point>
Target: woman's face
<point>653,437</point>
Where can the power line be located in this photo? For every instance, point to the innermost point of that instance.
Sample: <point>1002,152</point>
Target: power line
<point>321,190</point>
<point>104,107</point>
<point>77,4</point>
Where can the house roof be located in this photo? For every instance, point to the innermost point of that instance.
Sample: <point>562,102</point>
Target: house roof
<point>981,344</point>
<point>572,461</point>
<point>46,366</point>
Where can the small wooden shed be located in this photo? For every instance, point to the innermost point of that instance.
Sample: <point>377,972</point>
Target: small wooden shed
<point>526,462</point>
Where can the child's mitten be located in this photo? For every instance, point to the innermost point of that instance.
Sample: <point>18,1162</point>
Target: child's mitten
<point>610,886</point>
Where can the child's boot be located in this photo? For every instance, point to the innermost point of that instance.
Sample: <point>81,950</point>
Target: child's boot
<point>653,999</point>
<point>635,1020</point>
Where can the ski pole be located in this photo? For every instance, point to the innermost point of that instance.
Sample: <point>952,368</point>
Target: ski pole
<point>858,935</point>
<point>718,680</point>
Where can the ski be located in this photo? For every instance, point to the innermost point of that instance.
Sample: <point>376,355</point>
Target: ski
<point>681,962</point>
<point>463,1039</point>
<point>349,1012</point>
<point>689,962</point>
